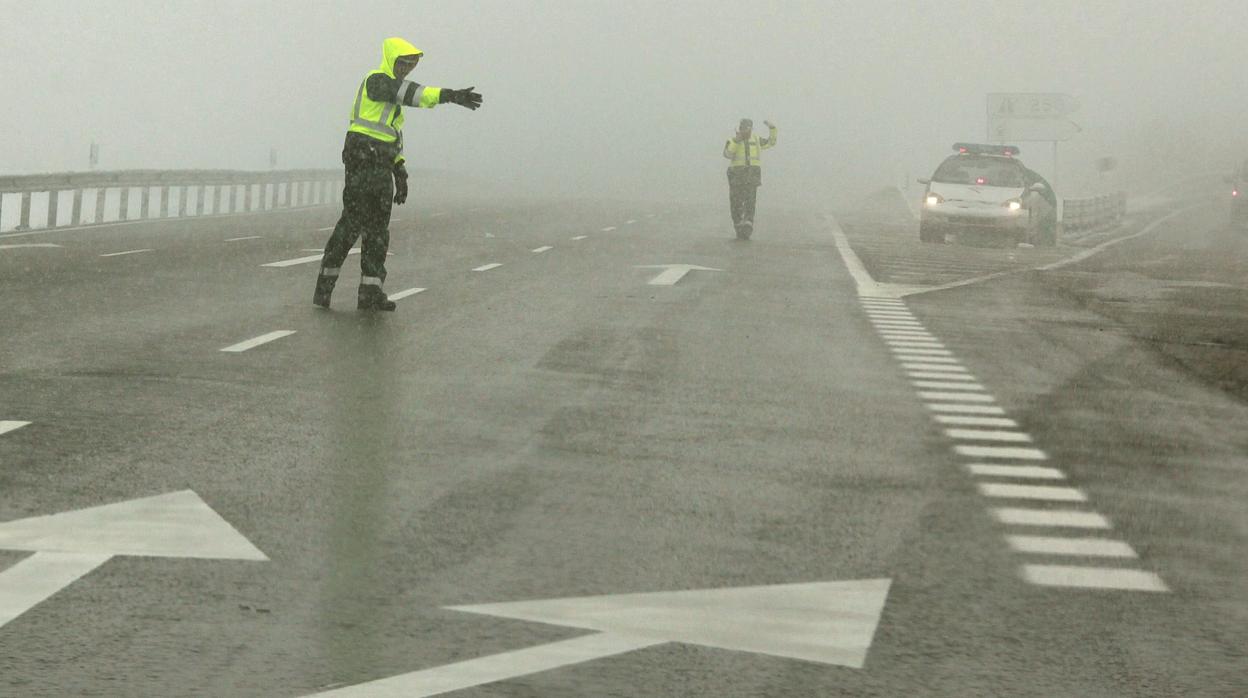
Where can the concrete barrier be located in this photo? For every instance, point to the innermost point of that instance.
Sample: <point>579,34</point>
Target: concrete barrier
<point>94,198</point>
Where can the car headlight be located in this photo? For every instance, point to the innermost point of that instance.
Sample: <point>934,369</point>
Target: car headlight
<point>1013,205</point>
<point>933,199</point>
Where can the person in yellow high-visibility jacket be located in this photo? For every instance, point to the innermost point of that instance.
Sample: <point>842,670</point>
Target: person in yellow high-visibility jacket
<point>745,175</point>
<point>375,174</point>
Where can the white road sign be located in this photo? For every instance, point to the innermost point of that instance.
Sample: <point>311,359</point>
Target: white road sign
<point>1031,116</point>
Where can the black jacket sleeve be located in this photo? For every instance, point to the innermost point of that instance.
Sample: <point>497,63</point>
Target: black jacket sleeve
<point>383,88</point>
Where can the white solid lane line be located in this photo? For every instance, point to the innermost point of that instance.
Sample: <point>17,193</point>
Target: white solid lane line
<point>404,294</point>
<point>118,254</point>
<point>248,237</point>
<point>7,425</point>
<point>974,421</point>
<point>988,435</point>
<point>580,237</point>
<point>1056,518</point>
<point>956,397</point>
<point>1093,578</point>
<point>541,249</point>
<point>1045,493</point>
<point>257,341</point>
<point>936,375</point>
<point>1012,452</point>
<point>1052,545</point>
<point>608,229</point>
<point>487,267</point>
<point>323,230</point>
<point>304,260</point>
<point>921,366</point>
<point>965,409</point>
<point>1029,472</point>
<point>25,245</point>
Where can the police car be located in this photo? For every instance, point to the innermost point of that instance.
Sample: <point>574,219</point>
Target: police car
<point>1239,195</point>
<point>980,188</point>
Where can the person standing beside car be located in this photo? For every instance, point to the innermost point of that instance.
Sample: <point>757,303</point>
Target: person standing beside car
<point>745,175</point>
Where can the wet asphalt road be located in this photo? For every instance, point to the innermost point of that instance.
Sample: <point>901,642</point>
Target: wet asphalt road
<point>556,427</point>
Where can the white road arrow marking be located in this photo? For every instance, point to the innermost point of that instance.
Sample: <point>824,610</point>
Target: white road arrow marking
<point>72,544</point>
<point>825,622</point>
<point>672,272</point>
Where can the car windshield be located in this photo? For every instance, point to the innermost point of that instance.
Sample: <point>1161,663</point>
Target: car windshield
<point>978,169</point>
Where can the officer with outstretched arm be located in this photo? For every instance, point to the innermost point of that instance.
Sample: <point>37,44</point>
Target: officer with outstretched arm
<point>375,175</point>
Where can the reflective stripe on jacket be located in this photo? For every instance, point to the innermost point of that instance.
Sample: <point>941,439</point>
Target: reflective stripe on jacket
<point>383,119</point>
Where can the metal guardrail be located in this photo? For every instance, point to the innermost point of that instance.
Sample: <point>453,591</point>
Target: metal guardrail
<point>1083,215</point>
<point>258,191</point>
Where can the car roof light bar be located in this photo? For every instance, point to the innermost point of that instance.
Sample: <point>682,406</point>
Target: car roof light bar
<point>985,149</point>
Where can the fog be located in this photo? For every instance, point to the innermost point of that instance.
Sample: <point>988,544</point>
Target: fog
<point>598,98</point>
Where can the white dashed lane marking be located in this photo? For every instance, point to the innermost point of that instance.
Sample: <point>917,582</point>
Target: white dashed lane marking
<point>608,229</point>
<point>988,435</point>
<point>487,267</point>
<point>1008,452</point>
<point>935,375</point>
<point>580,237</point>
<point>118,254</point>
<point>304,260</point>
<point>7,425</point>
<point>541,249</point>
<point>975,421</point>
<point>324,230</point>
<point>956,397</point>
<point>965,409</point>
<point>1042,492</point>
<point>248,237</point>
<point>257,341</point>
<point>957,400</point>
<point>1023,472</point>
<point>404,294</point>
<point>1052,518</point>
<point>1093,577</point>
<point>1087,547</point>
<point>924,366</point>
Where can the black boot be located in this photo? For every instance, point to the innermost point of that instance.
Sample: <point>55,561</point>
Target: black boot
<point>324,288</point>
<point>372,298</point>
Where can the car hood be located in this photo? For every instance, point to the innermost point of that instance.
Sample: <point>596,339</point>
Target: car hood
<point>975,193</point>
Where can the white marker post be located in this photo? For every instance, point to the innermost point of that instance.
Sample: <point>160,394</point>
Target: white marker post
<point>825,622</point>
<point>67,546</point>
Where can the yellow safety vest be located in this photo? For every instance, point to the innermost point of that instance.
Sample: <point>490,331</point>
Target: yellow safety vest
<point>747,154</point>
<point>384,120</point>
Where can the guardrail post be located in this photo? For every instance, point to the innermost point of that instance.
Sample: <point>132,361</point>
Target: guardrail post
<point>24,220</point>
<point>54,200</point>
<point>164,201</point>
<point>76,212</point>
<point>145,202</point>
<point>99,204</point>
<point>233,199</point>
<point>199,199</point>
<point>182,192</point>
<point>124,212</point>
<point>247,199</point>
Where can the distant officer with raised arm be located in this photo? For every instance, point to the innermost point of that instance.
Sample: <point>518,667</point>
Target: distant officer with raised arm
<point>375,175</point>
<point>745,175</point>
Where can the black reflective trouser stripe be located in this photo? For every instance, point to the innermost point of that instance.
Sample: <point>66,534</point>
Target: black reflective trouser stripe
<point>366,202</point>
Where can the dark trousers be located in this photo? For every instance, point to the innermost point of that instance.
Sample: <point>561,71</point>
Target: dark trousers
<point>366,202</point>
<point>743,183</point>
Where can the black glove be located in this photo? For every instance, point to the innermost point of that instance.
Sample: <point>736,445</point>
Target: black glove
<point>464,98</point>
<point>400,184</point>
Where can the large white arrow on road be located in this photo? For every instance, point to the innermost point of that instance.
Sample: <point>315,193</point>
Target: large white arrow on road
<point>826,622</point>
<point>69,545</point>
<point>672,272</point>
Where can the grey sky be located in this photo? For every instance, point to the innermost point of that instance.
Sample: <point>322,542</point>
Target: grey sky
<point>603,96</point>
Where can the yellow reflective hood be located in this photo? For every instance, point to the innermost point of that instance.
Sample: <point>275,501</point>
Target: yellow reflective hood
<point>391,49</point>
